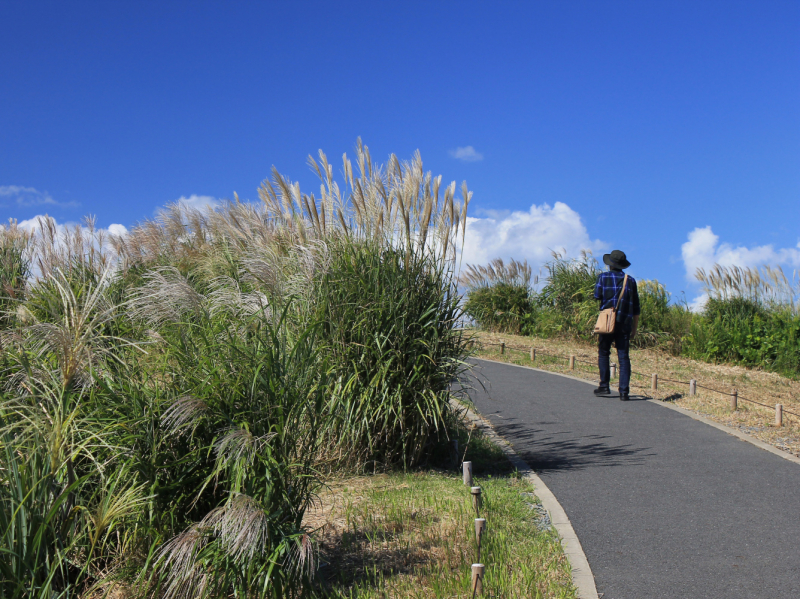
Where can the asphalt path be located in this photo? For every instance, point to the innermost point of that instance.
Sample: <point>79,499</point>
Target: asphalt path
<point>665,506</point>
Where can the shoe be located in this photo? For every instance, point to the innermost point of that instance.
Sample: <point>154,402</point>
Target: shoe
<point>602,391</point>
<point>624,396</point>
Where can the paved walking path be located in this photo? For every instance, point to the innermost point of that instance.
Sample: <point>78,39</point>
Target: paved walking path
<point>664,506</point>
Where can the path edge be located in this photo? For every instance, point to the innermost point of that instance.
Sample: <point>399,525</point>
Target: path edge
<point>694,415</point>
<point>582,576</point>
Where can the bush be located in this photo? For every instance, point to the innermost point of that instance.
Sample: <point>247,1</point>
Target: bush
<point>14,270</point>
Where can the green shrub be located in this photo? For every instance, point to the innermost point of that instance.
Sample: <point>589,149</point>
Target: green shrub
<point>566,302</point>
<point>661,324</point>
<point>504,307</point>
<point>499,296</point>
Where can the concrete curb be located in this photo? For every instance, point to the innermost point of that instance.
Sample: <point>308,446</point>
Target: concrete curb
<point>726,429</point>
<point>582,576</point>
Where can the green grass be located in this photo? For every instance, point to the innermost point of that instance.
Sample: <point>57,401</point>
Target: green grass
<point>412,535</point>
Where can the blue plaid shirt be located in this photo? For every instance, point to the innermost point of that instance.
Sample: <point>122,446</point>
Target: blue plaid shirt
<point>607,290</point>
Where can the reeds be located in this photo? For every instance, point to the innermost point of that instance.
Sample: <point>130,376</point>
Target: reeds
<point>767,285</point>
<point>172,395</point>
<point>515,273</point>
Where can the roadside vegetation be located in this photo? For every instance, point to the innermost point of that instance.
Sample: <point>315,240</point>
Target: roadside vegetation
<point>173,400</point>
<point>752,317</point>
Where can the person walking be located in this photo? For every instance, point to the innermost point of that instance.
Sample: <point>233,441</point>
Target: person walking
<point>613,290</point>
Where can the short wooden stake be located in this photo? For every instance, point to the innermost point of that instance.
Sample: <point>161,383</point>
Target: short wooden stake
<point>735,400</point>
<point>533,354</point>
<point>467,468</point>
<point>778,414</point>
<point>502,348</point>
<point>477,579</point>
<point>693,387</point>
<point>572,362</point>
<point>476,499</point>
<point>654,384</point>
<point>613,371</point>
<point>480,528</point>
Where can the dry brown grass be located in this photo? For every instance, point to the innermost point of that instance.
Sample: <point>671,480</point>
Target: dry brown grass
<point>764,387</point>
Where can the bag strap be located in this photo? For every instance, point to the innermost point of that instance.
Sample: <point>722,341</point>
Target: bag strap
<point>621,293</point>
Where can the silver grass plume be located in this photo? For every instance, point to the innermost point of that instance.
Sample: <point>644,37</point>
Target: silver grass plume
<point>186,410</point>
<point>166,297</point>
<point>241,527</point>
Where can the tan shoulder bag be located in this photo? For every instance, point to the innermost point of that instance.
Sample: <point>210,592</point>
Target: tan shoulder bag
<point>608,317</point>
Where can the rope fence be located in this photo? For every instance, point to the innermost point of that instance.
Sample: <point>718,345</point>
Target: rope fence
<point>654,378</point>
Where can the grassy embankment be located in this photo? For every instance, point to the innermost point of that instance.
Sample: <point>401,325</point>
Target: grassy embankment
<point>765,387</point>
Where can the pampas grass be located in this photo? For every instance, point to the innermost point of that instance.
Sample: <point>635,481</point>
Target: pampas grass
<point>173,395</point>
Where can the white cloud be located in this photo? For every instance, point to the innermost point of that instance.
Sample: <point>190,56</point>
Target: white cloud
<point>30,196</point>
<point>200,202</point>
<point>118,230</point>
<point>467,154</point>
<point>703,250</point>
<point>530,235</point>
<point>37,222</point>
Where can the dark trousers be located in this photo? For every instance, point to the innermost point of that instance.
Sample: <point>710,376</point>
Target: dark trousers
<point>621,338</point>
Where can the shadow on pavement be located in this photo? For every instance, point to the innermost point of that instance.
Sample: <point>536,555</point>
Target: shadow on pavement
<point>545,452</point>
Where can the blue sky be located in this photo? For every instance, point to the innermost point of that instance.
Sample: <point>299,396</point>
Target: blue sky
<point>670,130</point>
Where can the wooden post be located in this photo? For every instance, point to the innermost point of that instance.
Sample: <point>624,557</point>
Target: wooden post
<point>654,383</point>
<point>467,466</point>
<point>502,348</point>
<point>735,400</point>
<point>693,387</point>
<point>476,499</point>
<point>778,414</point>
<point>477,579</point>
<point>613,371</point>
<point>480,527</point>
<point>533,354</point>
<point>572,362</point>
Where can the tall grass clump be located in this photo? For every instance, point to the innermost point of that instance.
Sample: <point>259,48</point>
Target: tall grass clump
<point>500,296</point>
<point>388,317</point>
<point>750,318</point>
<point>15,246</point>
<point>171,398</point>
